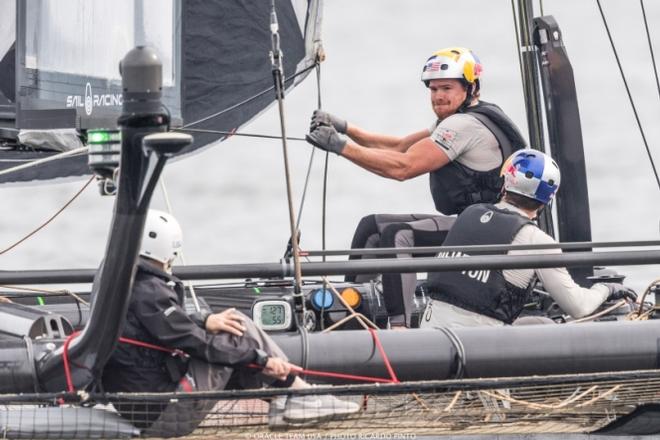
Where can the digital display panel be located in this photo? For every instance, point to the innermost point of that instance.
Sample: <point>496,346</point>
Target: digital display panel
<point>273,314</point>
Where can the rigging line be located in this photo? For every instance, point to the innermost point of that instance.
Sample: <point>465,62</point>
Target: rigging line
<point>245,101</point>
<point>278,86</point>
<point>311,160</point>
<point>48,292</point>
<point>304,194</point>
<point>632,102</point>
<point>621,303</point>
<point>648,37</point>
<point>231,133</point>
<point>188,283</point>
<point>311,156</point>
<point>34,163</point>
<point>651,287</point>
<point>515,27</point>
<point>66,205</point>
<point>324,200</point>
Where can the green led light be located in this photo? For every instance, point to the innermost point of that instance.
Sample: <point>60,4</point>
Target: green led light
<point>102,137</point>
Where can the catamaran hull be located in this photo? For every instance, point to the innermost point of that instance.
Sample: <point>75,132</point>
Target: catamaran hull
<point>510,351</point>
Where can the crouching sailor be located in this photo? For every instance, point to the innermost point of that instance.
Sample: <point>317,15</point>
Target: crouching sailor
<point>497,297</point>
<point>219,347</point>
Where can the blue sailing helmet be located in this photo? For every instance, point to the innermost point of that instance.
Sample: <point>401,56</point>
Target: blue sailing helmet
<point>532,174</point>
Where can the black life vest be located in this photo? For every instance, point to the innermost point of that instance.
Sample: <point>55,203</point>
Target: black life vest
<point>481,291</point>
<point>455,187</point>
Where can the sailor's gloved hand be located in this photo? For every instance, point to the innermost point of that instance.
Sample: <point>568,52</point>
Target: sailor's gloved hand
<point>326,138</point>
<point>619,291</point>
<point>321,118</point>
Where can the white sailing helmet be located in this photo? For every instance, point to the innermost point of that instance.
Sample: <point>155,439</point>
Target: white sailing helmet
<point>162,238</point>
<point>453,63</point>
<point>532,174</point>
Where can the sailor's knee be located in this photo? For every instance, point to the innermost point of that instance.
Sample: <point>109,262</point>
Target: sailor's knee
<point>365,229</point>
<point>397,235</point>
<point>367,225</point>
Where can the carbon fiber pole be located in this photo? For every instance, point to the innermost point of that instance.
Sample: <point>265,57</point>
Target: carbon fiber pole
<point>480,248</point>
<point>286,269</point>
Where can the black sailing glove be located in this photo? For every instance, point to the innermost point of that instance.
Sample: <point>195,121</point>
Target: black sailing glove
<point>619,291</point>
<point>326,138</point>
<point>320,118</point>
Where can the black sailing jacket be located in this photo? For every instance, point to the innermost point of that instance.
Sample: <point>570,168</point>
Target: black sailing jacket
<point>156,316</point>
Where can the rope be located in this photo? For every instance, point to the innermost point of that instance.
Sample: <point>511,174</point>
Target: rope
<point>65,355</point>
<point>344,376</point>
<point>648,37</point>
<point>599,314</point>
<point>364,321</point>
<point>648,290</point>
<point>52,158</point>
<point>65,360</point>
<point>177,352</point>
<point>311,156</point>
<point>630,98</point>
<point>528,81</point>
<point>188,283</point>
<point>50,292</point>
<point>304,339</point>
<point>305,186</point>
<point>324,199</point>
<point>517,32</point>
<point>451,404</point>
<point>460,350</point>
<point>66,205</point>
<point>174,351</point>
<point>233,133</point>
<point>247,100</point>
<point>386,360</point>
<point>279,87</point>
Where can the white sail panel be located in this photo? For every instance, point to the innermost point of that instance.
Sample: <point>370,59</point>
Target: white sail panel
<point>7,25</point>
<point>88,36</point>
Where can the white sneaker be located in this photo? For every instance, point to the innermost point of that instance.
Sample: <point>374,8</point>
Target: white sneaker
<point>275,412</point>
<point>317,408</point>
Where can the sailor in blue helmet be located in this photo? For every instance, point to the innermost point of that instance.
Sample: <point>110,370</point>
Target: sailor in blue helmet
<point>497,297</point>
<point>462,151</point>
<point>220,348</point>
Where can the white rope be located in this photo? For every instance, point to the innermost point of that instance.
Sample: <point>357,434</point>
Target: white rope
<point>51,292</point>
<point>188,283</point>
<point>53,158</point>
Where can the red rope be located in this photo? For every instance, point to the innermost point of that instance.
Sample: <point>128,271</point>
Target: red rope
<point>65,360</point>
<point>345,376</point>
<point>386,360</point>
<point>151,346</point>
<point>381,350</point>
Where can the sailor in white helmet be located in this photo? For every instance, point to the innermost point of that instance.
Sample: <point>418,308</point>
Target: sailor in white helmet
<point>462,152</point>
<point>497,297</point>
<point>223,343</point>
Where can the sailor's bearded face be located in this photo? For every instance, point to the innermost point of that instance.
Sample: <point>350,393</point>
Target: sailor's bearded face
<point>447,96</point>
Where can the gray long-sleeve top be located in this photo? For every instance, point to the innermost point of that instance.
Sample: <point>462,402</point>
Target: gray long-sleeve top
<point>575,300</point>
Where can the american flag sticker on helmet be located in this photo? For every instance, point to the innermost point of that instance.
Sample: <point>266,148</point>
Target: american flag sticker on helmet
<point>432,66</point>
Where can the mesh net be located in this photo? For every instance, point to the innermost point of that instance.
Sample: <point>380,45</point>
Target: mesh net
<point>553,404</point>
